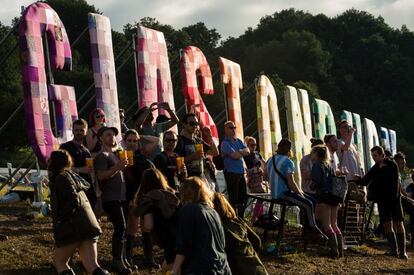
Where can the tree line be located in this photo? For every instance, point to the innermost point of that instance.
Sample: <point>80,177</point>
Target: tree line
<point>355,61</point>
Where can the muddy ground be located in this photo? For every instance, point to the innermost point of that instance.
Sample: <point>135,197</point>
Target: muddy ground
<point>29,250</point>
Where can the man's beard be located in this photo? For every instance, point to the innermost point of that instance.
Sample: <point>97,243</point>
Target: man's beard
<point>79,138</point>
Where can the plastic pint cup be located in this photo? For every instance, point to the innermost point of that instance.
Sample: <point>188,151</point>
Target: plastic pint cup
<point>89,162</point>
<point>122,155</point>
<point>130,155</point>
<point>199,147</point>
<point>180,164</point>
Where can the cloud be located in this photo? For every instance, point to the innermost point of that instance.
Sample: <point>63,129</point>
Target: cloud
<point>229,17</point>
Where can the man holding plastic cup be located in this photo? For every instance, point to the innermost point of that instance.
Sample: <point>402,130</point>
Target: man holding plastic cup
<point>109,171</point>
<point>81,155</point>
<point>192,147</point>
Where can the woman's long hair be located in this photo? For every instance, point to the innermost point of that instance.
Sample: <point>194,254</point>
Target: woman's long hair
<point>152,179</point>
<point>59,160</point>
<point>194,190</point>
<point>223,207</point>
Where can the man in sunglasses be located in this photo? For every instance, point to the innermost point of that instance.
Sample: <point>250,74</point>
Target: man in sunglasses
<point>186,146</point>
<point>233,150</point>
<point>166,161</point>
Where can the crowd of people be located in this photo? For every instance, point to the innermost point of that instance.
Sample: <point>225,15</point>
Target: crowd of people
<point>163,183</point>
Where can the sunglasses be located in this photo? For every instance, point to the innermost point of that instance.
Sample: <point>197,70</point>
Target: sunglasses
<point>252,144</point>
<point>193,123</point>
<point>99,115</point>
<point>132,140</point>
<point>170,140</point>
<point>232,127</point>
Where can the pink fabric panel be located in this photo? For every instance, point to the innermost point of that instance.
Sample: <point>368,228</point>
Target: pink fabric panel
<point>193,61</point>
<point>103,65</point>
<point>232,80</point>
<point>39,19</point>
<point>154,76</point>
<point>65,109</point>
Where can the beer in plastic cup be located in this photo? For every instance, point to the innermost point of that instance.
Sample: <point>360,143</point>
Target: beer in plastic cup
<point>180,164</point>
<point>122,154</point>
<point>199,147</point>
<point>130,155</point>
<point>89,162</point>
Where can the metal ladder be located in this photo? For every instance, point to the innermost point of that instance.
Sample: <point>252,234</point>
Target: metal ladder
<point>353,223</point>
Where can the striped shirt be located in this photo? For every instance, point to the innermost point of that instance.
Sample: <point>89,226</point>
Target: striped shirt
<point>278,186</point>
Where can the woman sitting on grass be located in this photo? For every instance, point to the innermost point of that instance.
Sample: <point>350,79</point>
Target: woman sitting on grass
<point>242,243</point>
<point>200,235</point>
<point>156,205</point>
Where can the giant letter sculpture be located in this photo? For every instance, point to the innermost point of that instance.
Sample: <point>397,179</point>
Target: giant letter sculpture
<point>371,140</point>
<point>267,116</point>
<point>355,121</point>
<point>324,120</point>
<point>306,113</point>
<point>153,68</point>
<point>65,108</point>
<point>232,79</point>
<point>104,68</point>
<point>393,141</point>
<point>385,139</point>
<point>38,19</point>
<point>194,64</point>
<point>296,124</point>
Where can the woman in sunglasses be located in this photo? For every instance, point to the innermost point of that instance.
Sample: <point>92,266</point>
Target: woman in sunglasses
<point>96,120</point>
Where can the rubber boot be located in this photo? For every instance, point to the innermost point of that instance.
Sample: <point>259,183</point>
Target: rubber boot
<point>129,245</point>
<point>118,264</point>
<point>149,261</point>
<point>401,246</point>
<point>340,240</point>
<point>100,271</point>
<point>392,243</point>
<point>333,246</point>
<point>67,272</point>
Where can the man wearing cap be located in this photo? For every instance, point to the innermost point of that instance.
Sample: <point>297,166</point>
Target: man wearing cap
<point>109,171</point>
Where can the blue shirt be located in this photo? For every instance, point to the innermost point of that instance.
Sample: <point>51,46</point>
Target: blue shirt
<point>278,186</point>
<point>229,146</point>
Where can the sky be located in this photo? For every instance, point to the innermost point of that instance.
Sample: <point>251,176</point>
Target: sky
<point>229,17</point>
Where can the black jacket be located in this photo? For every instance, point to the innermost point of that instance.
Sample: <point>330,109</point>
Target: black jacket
<point>383,182</point>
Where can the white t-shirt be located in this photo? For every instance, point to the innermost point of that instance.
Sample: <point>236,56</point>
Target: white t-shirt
<point>334,160</point>
<point>349,159</point>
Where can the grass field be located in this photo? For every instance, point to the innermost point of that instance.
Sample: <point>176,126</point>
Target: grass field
<point>29,250</point>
